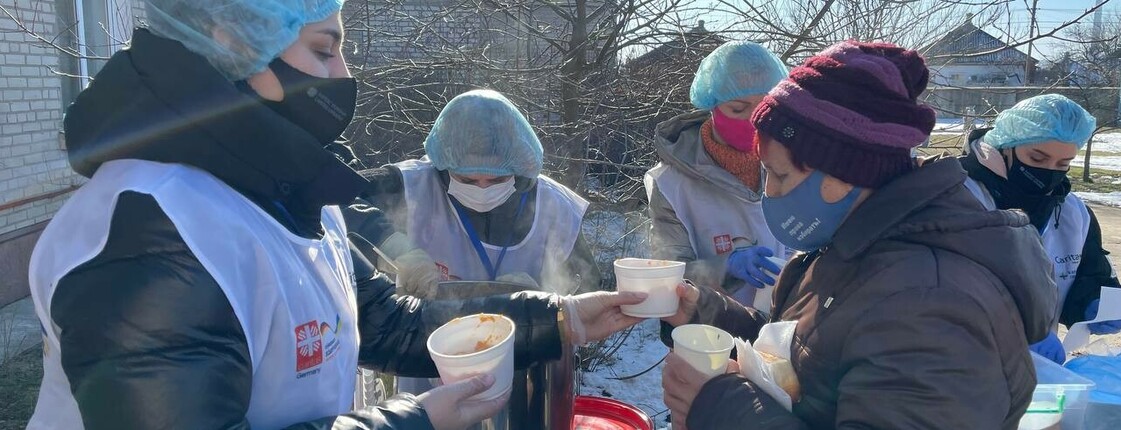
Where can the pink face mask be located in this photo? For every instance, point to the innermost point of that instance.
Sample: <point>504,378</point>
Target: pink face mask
<point>737,133</point>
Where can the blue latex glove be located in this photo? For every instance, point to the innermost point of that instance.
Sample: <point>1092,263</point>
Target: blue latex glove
<point>1051,348</point>
<point>1104,327</point>
<point>748,264</point>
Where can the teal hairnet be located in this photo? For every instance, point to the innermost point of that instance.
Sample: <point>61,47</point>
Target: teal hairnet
<point>481,132</point>
<point>238,37</point>
<point>734,70</point>
<point>1040,119</point>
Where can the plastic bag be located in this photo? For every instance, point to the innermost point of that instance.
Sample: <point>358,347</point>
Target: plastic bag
<point>774,339</point>
<point>1104,410</point>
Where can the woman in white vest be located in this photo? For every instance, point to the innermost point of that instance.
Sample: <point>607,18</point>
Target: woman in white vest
<point>477,207</point>
<point>202,277</point>
<point>1022,163</point>
<point>704,195</point>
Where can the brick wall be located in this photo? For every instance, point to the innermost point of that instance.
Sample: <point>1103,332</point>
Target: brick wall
<point>32,162</point>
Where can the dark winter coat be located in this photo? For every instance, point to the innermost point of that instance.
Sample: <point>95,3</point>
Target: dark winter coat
<point>918,315</point>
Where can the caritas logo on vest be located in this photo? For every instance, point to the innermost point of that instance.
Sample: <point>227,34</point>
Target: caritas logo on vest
<point>316,342</point>
<point>723,243</point>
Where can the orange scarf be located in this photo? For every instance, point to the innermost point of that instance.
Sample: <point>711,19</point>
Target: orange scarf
<point>744,166</point>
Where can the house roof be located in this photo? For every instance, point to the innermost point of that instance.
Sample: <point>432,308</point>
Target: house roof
<point>695,41</point>
<point>957,47</point>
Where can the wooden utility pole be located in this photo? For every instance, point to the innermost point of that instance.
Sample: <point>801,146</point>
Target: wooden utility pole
<point>1029,68</point>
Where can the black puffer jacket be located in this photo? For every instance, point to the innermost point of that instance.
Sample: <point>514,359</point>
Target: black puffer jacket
<point>162,347</point>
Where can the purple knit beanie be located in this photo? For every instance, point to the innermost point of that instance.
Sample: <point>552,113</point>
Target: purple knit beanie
<point>851,111</point>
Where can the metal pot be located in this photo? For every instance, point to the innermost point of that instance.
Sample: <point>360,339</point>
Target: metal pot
<point>543,395</point>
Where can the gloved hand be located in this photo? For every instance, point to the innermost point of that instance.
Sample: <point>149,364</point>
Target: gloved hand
<point>449,407</point>
<point>1104,327</point>
<point>1051,348</point>
<point>417,274</point>
<point>520,278</point>
<point>748,264</point>
<point>595,316</point>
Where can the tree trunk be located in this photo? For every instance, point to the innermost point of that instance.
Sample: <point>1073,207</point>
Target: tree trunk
<point>1086,161</point>
<point>572,147</point>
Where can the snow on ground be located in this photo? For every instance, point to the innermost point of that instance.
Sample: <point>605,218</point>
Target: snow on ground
<point>1102,162</point>
<point>612,235</point>
<point>1107,199</point>
<point>1110,142</point>
<point>955,125</point>
<point>641,349</point>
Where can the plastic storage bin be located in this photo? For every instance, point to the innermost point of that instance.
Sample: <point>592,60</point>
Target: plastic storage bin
<point>1060,398</point>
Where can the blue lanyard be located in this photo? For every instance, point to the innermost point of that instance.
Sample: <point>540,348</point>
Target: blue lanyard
<point>492,269</point>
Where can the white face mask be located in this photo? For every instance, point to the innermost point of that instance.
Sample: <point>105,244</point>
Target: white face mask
<point>481,199</point>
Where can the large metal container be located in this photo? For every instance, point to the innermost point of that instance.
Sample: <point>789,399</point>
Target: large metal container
<point>543,394</point>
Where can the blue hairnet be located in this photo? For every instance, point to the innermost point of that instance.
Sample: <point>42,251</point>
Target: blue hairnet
<point>734,70</point>
<point>1040,119</point>
<point>256,31</point>
<point>481,132</point>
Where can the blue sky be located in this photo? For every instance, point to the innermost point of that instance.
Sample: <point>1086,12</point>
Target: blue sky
<point>1051,13</point>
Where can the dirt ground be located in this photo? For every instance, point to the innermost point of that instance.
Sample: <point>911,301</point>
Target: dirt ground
<point>19,388</point>
<point>1110,220</point>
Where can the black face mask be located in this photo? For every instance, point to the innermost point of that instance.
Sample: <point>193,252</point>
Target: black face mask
<point>1034,181</point>
<point>1011,195</point>
<point>321,106</point>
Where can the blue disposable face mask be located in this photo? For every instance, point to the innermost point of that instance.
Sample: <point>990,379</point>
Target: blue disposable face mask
<point>802,219</point>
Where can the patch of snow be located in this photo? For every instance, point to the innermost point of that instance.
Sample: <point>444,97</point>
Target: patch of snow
<point>612,235</point>
<point>640,350</point>
<point>1108,199</point>
<point>1102,162</point>
<point>1109,142</point>
<point>956,125</point>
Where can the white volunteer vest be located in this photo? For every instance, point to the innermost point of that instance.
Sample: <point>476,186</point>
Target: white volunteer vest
<point>1063,243</point>
<point>713,217</point>
<point>435,227</point>
<point>294,297</point>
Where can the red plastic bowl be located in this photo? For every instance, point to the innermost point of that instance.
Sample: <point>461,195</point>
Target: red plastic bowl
<point>598,413</point>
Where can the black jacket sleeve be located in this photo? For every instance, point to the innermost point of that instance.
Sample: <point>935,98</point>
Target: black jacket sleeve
<point>1094,272</point>
<point>149,340</point>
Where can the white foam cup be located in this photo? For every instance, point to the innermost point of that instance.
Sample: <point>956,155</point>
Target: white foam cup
<point>481,344</point>
<point>705,347</point>
<point>763,296</point>
<point>657,278</point>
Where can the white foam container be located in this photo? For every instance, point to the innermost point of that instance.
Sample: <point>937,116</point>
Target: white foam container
<point>763,296</point>
<point>705,347</point>
<point>657,278</point>
<point>454,348</point>
<point>1059,400</point>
